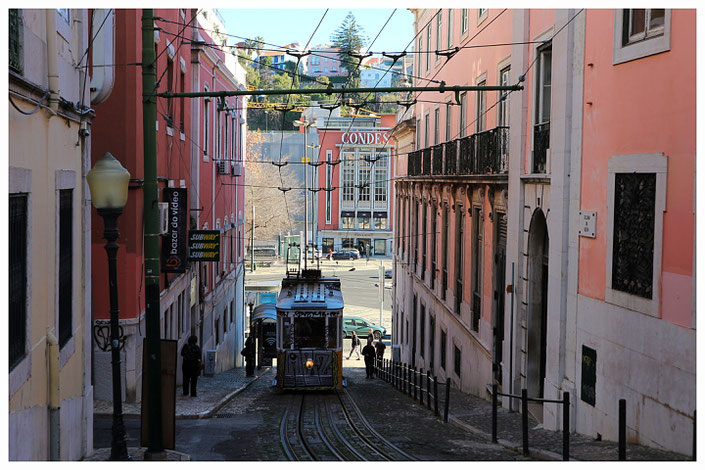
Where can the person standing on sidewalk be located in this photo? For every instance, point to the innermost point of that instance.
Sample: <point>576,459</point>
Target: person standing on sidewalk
<point>191,365</point>
<point>369,353</point>
<point>249,353</point>
<point>380,347</point>
<point>355,345</point>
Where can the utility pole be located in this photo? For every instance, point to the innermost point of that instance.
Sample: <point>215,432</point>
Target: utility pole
<point>252,240</point>
<point>151,239</point>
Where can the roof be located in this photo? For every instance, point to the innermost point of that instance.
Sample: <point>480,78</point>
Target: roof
<point>318,293</point>
<point>264,312</point>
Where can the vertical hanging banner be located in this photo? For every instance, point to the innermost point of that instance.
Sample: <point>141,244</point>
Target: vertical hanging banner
<point>175,242</point>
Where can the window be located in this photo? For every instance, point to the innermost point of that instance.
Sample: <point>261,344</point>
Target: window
<point>347,222</point>
<point>381,178</point>
<point>477,265</point>
<point>329,182</point>
<point>444,345</point>
<point>17,244</point>
<point>439,21</point>
<point>636,201</point>
<point>542,105</point>
<point>503,110</point>
<point>434,237</point>
<point>348,176</point>
<point>457,359</point>
<point>425,131</point>
<point>461,111</point>
<point>640,33</point>
<point>380,223</point>
<point>422,330</point>
<point>460,255</point>
<point>436,125</point>
<point>217,331</point>
<point>206,102</point>
<point>15,40</point>
<point>380,247</point>
<point>480,108</point>
<point>218,142</point>
<point>481,15</point>
<point>424,218</point>
<point>348,243</point>
<point>418,55</point>
<point>182,101</point>
<point>450,28</point>
<point>444,245</point>
<point>463,21</point>
<point>363,178</point>
<point>65,284</point>
<point>428,47</point>
<point>448,121</point>
<point>363,222</point>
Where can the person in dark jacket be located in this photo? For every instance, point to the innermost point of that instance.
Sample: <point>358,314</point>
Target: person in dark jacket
<point>249,353</point>
<point>380,347</point>
<point>369,353</point>
<point>191,365</point>
<point>355,345</point>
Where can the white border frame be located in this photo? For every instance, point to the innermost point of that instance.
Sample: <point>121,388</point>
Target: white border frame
<point>637,163</point>
<point>65,179</point>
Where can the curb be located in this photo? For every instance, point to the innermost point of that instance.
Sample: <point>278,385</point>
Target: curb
<point>537,452</point>
<point>202,415</point>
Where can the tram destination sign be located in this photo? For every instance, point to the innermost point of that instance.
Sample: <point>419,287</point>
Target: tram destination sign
<point>315,313</point>
<point>204,245</point>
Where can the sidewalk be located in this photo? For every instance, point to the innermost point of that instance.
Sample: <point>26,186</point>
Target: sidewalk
<point>475,415</point>
<point>213,393</point>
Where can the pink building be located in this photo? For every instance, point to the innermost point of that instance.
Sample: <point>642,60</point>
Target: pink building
<point>323,61</point>
<point>561,217</point>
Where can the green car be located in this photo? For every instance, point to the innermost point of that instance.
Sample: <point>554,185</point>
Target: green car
<point>362,328</point>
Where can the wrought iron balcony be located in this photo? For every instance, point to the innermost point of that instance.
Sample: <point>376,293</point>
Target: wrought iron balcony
<point>541,142</point>
<point>484,153</point>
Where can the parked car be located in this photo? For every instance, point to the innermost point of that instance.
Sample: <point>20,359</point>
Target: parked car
<point>362,328</point>
<point>387,273</point>
<point>347,253</point>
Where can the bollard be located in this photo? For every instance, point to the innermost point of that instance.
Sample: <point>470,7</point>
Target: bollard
<point>428,389</point>
<point>435,395</point>
<point>407,385</point>
<point>622,429</point>
<point>524,422</point>
<point>446,404</point>
<point>494,413</point>
<point>415,397</point>
<point>566,426</point>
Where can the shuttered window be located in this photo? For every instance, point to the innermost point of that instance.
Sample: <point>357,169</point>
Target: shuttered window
<point>65,285</point>
<point>17,228</point>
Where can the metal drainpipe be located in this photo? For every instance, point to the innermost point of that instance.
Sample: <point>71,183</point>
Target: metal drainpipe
<point>52,59</point>
<point>54,398</point>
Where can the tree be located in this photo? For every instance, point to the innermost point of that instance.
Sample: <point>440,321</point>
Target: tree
<point>263,179</point>
<point>349,38</point>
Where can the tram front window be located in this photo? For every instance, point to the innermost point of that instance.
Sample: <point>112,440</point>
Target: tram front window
<point>333,332</point>
<point>309,333</point>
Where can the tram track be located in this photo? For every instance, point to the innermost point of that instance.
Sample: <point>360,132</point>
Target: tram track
<point>330,427</point>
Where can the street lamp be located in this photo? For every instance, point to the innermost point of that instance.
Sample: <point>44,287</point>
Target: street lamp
<point>108,182</point>
<point>306,124</point>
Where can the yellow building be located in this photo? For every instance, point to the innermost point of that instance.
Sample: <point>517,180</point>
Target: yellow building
<point>50,390</point>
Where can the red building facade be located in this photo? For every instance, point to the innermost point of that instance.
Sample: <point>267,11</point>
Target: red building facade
<point>199,148</point>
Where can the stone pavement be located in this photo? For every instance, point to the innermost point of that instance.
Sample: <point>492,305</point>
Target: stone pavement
<point>213,393</point>
<point>475,415</point>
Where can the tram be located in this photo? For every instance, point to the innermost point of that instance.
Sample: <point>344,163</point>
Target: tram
<point>309,332</point>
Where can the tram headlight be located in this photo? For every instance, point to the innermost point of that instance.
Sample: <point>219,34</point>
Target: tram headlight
<point>309,363</point>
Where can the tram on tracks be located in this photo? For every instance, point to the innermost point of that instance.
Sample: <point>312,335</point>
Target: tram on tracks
<point>309,332</point>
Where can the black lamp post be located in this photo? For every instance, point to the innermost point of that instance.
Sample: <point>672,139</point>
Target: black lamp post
<point>108,182</point>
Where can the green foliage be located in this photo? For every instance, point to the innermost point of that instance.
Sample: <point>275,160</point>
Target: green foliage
<point>349,37</point>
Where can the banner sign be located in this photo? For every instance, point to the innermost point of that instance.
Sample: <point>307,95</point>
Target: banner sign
<point>204,245</point>
<point>174,255</point>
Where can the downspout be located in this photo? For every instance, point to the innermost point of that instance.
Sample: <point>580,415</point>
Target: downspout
<point>54,399</point>
<point>52,59</point>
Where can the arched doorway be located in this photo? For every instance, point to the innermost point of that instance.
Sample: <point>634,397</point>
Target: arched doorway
<point>537,310</point>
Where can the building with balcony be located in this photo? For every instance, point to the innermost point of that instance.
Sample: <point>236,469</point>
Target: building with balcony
<point>538,228</point>
<point>324,62</point>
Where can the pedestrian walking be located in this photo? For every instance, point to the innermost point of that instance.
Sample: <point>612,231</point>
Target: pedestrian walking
<point>191,365</point>
<point>355,345</point>
<point>369,353</point>
<point>249,353</point>
<point>379,348</point>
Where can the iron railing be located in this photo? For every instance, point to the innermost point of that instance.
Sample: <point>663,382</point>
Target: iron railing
<point>437,166</point>
<point>426,161</point>
<point>451,160</point>
<point>541,142</point>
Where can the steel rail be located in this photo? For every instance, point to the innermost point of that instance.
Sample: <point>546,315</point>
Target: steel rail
<point>339,435</point>
<point>323,434</point>
<point>299,429</point>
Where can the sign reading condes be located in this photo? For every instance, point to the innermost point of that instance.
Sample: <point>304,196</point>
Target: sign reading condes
<point>366,138</point>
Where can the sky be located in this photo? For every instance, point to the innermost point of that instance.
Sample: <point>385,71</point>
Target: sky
<point>283,26</point>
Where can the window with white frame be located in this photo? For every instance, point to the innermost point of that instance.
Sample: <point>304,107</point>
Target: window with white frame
<point>381,171</point>
<point>640,33</point>
<point>480,104</point>
<point>439,22</point>
<point>418,54</point>
<point>436,125</point>
<point>481,15</point>
<point>449,108</point>
<point>462,112</point>
<point>428,47</point>
<point>636,200</point>
<point>363,177</point>
<point>329,182</point>
<point>463,20</point>
<point>503,109</point>
<point>348,170</point>
<point>206,114</point>
<point>450,28</point>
